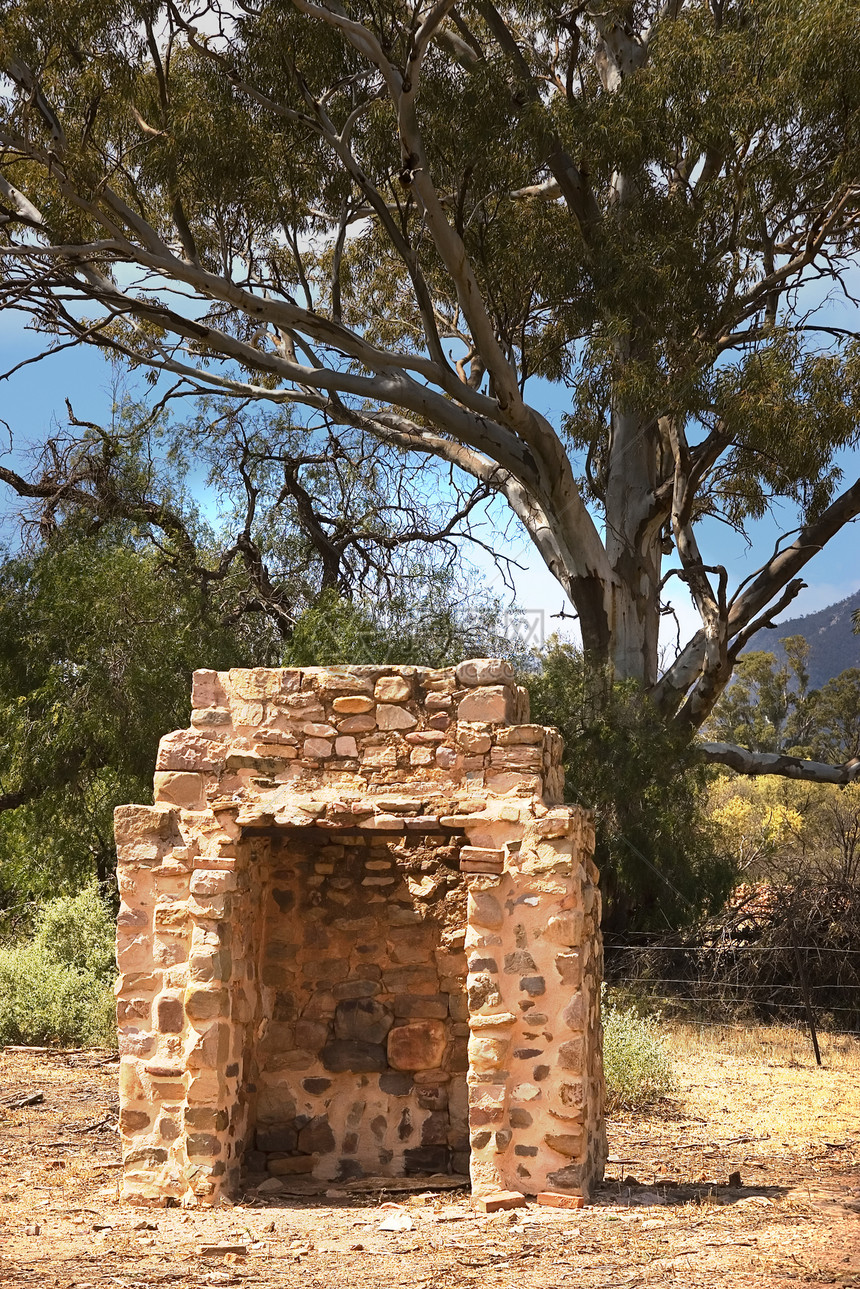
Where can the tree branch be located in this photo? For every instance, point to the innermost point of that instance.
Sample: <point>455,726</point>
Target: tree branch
<point>788,767</point>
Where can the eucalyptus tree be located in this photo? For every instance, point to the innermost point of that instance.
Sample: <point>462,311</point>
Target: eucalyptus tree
<point>413,221</point>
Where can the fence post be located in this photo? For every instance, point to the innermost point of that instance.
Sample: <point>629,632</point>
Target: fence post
<point>807,1000</point>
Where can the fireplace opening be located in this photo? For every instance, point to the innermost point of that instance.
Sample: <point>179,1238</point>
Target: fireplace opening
<point>359,1056</point>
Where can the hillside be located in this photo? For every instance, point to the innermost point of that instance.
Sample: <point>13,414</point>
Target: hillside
<point>833,644</point>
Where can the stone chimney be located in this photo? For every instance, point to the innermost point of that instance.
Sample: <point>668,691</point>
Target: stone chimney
<point>359,937</point>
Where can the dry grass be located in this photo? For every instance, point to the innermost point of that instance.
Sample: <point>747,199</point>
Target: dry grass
<point>764,1080</point>
<point>666,1216</point>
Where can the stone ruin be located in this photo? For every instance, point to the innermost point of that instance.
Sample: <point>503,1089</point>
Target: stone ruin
<point>358,937</point>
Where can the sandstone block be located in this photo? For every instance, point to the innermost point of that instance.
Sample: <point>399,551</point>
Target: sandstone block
<point>189,750</point>
<point>488,1051</point>
<point>519,734</point>
<point>480,859</point>
<point>317,1136</point>
<point>517,758</point>
<point>345,745</point>
<point>170,1014</point>
<point>565,928</point>
<point>135,1042</point>
<point>574,1013</point>
<point>277,1138</point>
<point>394,718</point>
<point>261,683</point>
<point>571,1054</point>
<point>500,1200</point>
<point>212,718</point>
<point>474,741</point>
<point>319,749</point>
<point>171,916</point>
<point>310,1035</point>
<point>490,705</point>
<point>133,955</point>
<point>569,1144</point>
<point>379,758</point>
<point>393,689</point>
<point>484,671</point>
<point>514,782</point>
<point>417,1046</point>
<point>554,1199</point>
<point>209,1049</point>
<point>569,1177</point>
<point>353,704</point>
<point>318,729</point>
<point>206,1004</point>
<point>361,724</point>
<point>207,689</point>
<point>212,881</point>
<point>202,1144</point>
<point>363,1019</point>
<point>134,823</point>
<point>132,919</point>
<point>134,1121</point>
<point>133,1009</point>
<point>335,680</point>
<point>569,967</point>
<point>210,967</point>
<point>484,909</point>
<point>292,1166</point>
<point>179,789</point>
<point>349,1054</point>
<point>421,1006</point>
<point>205,1118</point>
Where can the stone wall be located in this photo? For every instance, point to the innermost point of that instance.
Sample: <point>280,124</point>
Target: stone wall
<point>361,1068</point>
<point>358,936</point>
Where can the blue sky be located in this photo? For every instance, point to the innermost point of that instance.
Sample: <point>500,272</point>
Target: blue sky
<point>34,395</point>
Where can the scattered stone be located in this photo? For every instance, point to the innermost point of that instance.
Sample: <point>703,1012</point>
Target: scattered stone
<point>554,1199</point>
<point>396,1222</point>
<point>500,1200</point>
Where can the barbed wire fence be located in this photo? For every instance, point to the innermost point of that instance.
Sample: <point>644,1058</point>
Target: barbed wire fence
<point>786,953</point>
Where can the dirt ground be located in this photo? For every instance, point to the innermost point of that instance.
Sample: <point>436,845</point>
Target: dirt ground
<point>669,1213</point>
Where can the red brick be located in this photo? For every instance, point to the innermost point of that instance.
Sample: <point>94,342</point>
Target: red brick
<point>500,1200</point>
<point>552,1199</point>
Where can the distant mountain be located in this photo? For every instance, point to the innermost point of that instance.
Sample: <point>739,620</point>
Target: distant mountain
<point>833,645</point>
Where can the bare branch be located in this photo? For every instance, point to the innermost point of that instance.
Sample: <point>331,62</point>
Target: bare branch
<point>788,767</point>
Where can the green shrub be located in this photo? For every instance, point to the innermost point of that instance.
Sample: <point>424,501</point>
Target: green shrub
<point>56,987</point>
<point>636,1063</point>
<point>78,930</point>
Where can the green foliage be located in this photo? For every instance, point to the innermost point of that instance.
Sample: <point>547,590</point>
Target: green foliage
<point>97,644</point>
<point>637,1066</point>
<point>78,931</point>
<point>762,707</point>
<point>769,707</point>
<point>57,986</point>
<point>433,626</point>
<point>782,831</point>
<point>659,858</point>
